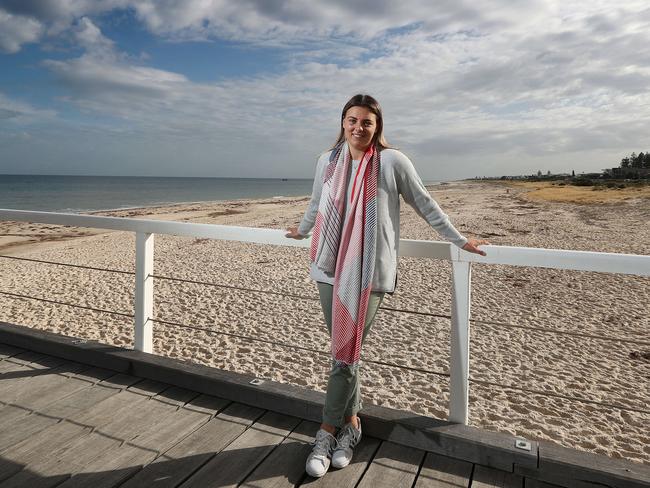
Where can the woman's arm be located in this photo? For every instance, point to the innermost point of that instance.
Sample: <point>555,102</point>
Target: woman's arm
<point>415,194</point>
<point>309,218</point>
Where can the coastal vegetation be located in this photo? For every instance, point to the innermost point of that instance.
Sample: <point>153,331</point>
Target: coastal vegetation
<point>629,180</point>
<point>558,191</point>
<point>641,160</point>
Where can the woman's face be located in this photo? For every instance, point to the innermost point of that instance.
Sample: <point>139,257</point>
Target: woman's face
<point>359,126</point>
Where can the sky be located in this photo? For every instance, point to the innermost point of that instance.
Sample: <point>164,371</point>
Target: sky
<point>254,88</point>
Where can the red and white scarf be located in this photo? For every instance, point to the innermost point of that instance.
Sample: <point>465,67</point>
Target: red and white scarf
<point>347,249</point>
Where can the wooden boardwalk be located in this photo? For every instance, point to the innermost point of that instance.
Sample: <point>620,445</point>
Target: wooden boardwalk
<point>66,424</point>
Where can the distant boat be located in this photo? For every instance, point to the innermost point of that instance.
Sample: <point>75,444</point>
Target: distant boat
<point>285,179</point>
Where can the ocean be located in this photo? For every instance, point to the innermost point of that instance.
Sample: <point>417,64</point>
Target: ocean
<point>78,194</point>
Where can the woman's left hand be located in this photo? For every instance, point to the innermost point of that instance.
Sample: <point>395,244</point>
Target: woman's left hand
<point>472,246</point>
<point>292,233</point>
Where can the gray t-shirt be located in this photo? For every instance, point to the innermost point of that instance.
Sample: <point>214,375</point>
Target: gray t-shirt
<point>397,176</point>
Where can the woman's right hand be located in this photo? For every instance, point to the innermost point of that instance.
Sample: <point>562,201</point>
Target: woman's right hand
<point>472,246</point>
<point>292,233</point>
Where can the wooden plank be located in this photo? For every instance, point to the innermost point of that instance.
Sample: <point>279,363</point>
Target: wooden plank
<point>15,371</point>
<point>533,483</point>
<point>35,448</point>
<point>73,456</point>
<point>7,366</point>
<point>393,465</point>
<point>121,462</point>
<point>343,478</point>
<point>443,472</point>
<point>9,414</point>
<point>18,424</point>
<point>285,465</point>
<point>557,463</point>
<point>485,477</point>
<point>114,406</point>
<point>148,388</point>
<point>71,406</point>
<point>207,404</point>
<point>57,468</point>
<point>176,396</point>
<point>93,375</point>
<point>178,463</point>
<point>120,381</point>
<point>22,430</point>
<point>37,360</point>
<point>38,395</point>
<point>7,351</point>
<point>56,394</point>
<point>234,463</point>
<point>26,362</point>
<point>136,418</point>
<point>49,440</point>
<point>27,384</point>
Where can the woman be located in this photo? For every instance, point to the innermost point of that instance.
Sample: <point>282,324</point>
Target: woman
<point>354,211</point>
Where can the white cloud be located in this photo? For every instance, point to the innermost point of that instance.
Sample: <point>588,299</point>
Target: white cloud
<point>18,112</point>
<point>292,20</point>
<point>16,30</point>
<point>89,36</point>
<point>288,23</point>
<point>500,84</point>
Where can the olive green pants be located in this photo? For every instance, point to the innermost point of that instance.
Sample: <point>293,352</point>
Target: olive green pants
<point>343,398</point>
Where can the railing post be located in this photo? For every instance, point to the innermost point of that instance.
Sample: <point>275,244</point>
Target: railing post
<point>459,360</point>
<point>143,337</point>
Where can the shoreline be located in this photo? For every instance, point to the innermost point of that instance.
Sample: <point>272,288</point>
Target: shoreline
<point>18,237</point>
<point>18,245</point>
<point>204,319</point>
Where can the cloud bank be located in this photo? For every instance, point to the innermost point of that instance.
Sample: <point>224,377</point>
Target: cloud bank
<point>504,88</point>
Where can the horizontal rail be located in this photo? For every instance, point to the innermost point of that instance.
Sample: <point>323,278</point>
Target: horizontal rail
<point>604,262</point>
<point>630,264</point>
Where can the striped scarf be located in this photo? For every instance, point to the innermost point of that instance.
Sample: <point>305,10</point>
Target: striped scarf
<point>347,249</point>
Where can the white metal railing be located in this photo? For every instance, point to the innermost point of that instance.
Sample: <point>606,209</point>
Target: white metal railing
<point>461,273</point>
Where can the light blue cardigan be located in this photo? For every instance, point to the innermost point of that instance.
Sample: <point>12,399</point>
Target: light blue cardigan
<point>397,177</point>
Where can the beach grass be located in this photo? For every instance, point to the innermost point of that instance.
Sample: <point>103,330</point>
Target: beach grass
<point>555,191</point>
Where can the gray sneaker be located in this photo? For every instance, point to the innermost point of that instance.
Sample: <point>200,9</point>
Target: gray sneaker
<point>347,439</point>
<point>318,461</point>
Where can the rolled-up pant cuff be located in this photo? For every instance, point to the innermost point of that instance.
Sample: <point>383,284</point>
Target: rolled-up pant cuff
<point>353,410</point>
<point>336,421</point>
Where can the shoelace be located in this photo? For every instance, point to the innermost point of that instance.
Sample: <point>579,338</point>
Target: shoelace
<point>323,445</point>
<point>346,437</point>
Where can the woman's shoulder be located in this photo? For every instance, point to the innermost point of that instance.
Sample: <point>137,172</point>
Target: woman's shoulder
<point>323,158</point>
<point>392,152</point>
<point>325,155</point>
<point>394,157</point>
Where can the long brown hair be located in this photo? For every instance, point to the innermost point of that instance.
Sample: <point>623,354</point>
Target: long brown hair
<point>371,104</point>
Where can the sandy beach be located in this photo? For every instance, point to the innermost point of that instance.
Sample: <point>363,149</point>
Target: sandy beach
<point>555,355</point>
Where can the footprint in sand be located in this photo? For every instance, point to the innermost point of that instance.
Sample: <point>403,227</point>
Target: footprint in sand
<point>640,355</point>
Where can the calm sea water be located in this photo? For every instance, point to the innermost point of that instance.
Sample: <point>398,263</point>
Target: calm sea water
<point>86,193</point>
